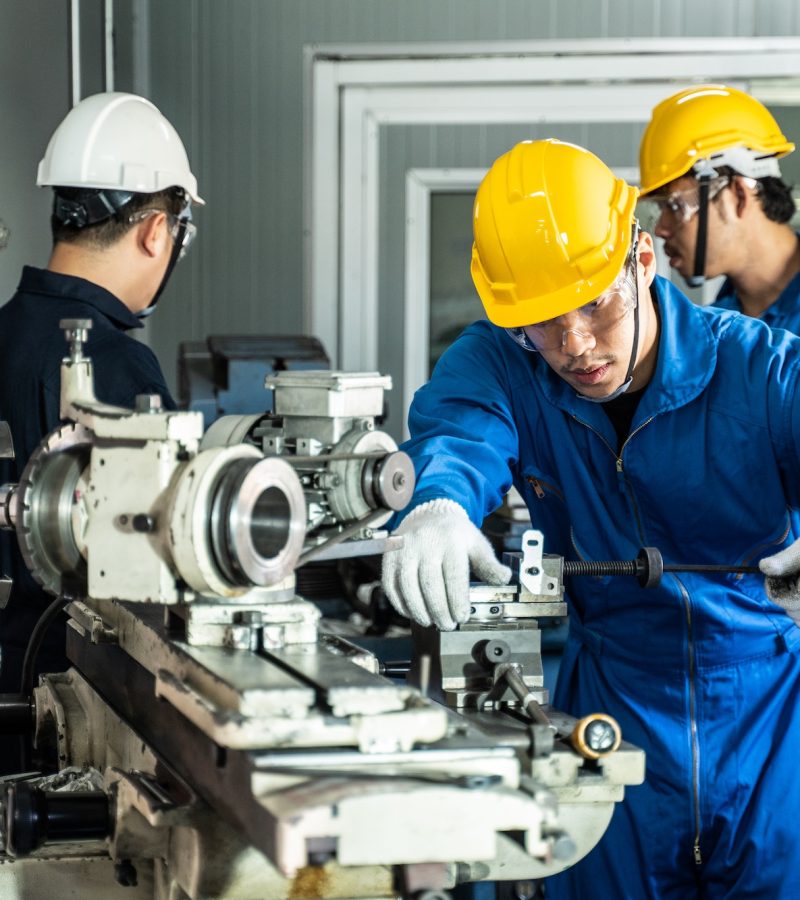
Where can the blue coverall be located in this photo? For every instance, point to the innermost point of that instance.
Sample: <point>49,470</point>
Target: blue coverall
<point>702,672</point>
<point>31,349</point>
<point>782,313</point>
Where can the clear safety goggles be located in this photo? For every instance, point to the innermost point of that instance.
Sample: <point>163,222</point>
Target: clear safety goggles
<point>588,321</point>
<point>181,228</point>
<point>681,205</point>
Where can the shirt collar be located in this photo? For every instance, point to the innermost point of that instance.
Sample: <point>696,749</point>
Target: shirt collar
<point>70,287</point>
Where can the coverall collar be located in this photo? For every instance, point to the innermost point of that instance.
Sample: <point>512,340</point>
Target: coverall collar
<point>776,314</point>
<point>679,376</point>
<point>54,284</point>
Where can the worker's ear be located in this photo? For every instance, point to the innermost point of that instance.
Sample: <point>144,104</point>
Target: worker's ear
<point>743,194</point>
<point>151,233</point>
<point>646,254</point>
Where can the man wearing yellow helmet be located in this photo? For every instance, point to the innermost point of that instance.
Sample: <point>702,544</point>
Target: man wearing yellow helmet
<point>709,160</point>
<point>627,416</point>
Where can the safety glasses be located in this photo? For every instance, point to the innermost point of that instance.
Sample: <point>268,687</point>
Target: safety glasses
<point>682,204</point>
<point>181,228</point>
<point>588,321</point>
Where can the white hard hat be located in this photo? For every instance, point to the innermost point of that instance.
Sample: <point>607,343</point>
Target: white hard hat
<point>118,142</point>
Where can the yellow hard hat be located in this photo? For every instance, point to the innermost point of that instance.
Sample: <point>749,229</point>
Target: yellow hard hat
<point>710,122</point>
<point>553,227</point>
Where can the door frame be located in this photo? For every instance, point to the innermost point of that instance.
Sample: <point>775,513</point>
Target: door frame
<point>352,91</point>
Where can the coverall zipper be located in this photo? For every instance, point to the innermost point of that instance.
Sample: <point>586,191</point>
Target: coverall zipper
<point>698,859</point>
<point>540,488</point>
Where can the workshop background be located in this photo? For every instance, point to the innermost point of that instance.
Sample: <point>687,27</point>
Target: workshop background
<point>236,79</point>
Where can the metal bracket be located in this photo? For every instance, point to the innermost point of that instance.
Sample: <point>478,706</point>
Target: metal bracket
<point>531,569</point>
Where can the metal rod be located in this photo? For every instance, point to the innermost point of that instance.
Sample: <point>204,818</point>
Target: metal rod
<point>75,49</point>
<point>108,44</point>
<point>732,570</point>
<point>516,682</point>
<point>345,533</point>
<point>334,457</point>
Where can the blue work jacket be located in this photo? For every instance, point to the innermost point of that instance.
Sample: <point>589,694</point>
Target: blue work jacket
<point>702,664</point>
<point>782,313</point>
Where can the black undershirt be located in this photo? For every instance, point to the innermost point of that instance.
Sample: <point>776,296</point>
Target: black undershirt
<point>621,411</point>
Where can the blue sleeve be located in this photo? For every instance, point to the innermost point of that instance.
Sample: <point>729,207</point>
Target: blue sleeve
<point>464,440</point>
<point>781,360</point>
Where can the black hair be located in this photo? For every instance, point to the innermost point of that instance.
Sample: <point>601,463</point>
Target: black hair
<point>107,232</point>
<point>774,195</point>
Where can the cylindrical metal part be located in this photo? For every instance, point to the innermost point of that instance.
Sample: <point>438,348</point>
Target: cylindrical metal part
<point>389,482</point>
<point>651,567</point>
<point>45,505</point>
<point>510,672</point>
<point>596,735</point>
<point>17,714</point>
<point>257,521</point>
<point>356,464</point>
<point>35,817</point>
<point>236,520</point>
<point>8,507</point>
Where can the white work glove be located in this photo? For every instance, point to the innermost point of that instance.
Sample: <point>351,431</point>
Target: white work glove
<point>783,579</point>
<point>427,578</point>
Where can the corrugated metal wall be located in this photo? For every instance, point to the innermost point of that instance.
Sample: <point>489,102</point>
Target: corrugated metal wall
<point>35,95</point>
<point>229,75</point>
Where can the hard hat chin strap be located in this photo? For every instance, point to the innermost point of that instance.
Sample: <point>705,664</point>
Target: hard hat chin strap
<point>629,374</point>
<point>698,277</point>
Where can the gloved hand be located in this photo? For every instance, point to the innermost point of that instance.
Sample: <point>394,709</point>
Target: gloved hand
<point>427,579</point>
<point>783,579</point>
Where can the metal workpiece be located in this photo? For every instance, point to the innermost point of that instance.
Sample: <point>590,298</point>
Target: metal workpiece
<point>353,475</point>
<point>256,511</point>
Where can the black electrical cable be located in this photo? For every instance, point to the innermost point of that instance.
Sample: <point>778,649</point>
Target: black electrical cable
<point>35,643</point>
<point>29,664</point>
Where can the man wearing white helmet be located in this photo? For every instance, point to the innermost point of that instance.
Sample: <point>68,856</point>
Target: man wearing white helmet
<point>122,196</point>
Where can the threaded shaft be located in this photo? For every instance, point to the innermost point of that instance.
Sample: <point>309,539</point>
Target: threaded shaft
<point>590,567</point>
